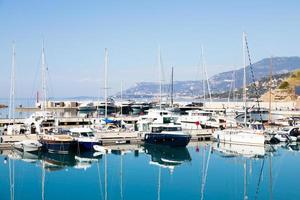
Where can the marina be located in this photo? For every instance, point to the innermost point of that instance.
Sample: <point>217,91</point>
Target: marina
<point>143,100</point>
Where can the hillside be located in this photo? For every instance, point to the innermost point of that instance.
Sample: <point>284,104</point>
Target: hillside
<point>219,83</point>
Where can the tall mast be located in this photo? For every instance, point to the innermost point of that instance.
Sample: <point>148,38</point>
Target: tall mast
<point>172,86</point>
<point>44,80</point>
<point>270,90</point>
<point>121,98</point>
<point>11,112</point>
<point>245,80</point>
<point>105,80</point>
<point>203,72</point>
<point>160,77</point>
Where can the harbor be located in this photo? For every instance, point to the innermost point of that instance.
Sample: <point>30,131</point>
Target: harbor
<point>149,100</point>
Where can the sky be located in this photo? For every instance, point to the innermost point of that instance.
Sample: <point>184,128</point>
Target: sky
<point>76,32</point>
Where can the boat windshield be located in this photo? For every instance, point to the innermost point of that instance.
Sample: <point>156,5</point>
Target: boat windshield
<point>160,129</point>
<point>87,134</point>
<point>257,126</point>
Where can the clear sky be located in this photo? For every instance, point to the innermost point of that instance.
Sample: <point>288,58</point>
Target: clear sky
<point>76,33</point>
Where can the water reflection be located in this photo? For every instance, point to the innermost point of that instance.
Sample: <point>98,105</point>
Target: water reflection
<point>167,157</point>
<point>201,171</point>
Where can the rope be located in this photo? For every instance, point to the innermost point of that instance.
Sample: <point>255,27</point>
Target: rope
<point>253,79</point>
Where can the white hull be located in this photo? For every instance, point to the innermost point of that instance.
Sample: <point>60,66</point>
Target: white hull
<point>28,145</point>
<point>236,136</point>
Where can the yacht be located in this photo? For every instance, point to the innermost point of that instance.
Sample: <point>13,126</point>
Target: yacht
<point>87,107</point>
<point>251,135</point>
<point>195,119</point>
<point>161,127</point>
<point>85,138</point>
<point>57,142</point>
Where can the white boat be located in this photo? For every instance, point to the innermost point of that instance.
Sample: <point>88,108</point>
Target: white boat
<point>250,134</point>
<point>28,145</point>
<point>87,106</point>
<point>240,136</point>
<point>195,119</point>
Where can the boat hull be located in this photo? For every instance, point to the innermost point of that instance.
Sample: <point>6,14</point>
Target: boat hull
<point>88,146</point>
<point>63,147</point>
<point>236,137</point>
<point>167,139</point>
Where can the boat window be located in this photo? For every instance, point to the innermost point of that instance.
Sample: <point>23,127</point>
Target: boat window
<point>84,134</point>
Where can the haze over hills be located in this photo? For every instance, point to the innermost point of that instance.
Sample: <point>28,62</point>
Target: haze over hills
<point>220,82</point>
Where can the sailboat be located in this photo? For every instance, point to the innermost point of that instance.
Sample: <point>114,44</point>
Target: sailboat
<point>250,134</point>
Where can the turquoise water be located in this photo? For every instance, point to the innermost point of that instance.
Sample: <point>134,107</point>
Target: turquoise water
<point>201,171</point>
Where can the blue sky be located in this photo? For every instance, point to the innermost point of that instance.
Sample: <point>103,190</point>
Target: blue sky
<point>76,33</point>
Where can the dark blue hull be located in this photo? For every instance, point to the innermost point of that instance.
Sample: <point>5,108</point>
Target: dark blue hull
<point>167,139</point>
<point>57,146</point>
<point>88,146</point>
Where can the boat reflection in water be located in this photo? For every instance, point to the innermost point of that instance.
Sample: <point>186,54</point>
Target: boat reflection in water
<point>232,150</point>
<point>166,156</point>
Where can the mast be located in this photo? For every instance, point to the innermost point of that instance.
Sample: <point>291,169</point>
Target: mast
<point>160,77</point>
<point>105,80</point>
<point>44,81</point>
<point>245,80</point>
<point>203,72</point>
<point>121,98</point>
<point>11,112</point>
<point>172,86</point>
<point>270,90</point>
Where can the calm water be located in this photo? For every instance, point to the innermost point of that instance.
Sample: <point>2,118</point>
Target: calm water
<point>201,171</point>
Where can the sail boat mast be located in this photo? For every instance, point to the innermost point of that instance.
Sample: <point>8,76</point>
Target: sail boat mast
<point>160,77</point>
<point>270,90</point>
<point>206,76</point>
<point>11,113</point>
<point>105,80</point>
<point>172,86</point>
<point>203,72</point>
<point>245,80</point>
<point>44,81</point>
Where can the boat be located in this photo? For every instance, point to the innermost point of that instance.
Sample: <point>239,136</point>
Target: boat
<point>58,143</point>
<point>167,134</point>
<point>250,133</point>
<point>195,119</point>
<point>87,107</point>
<point>85,138</point>
<point>28,145</point>
<point>253,135</point>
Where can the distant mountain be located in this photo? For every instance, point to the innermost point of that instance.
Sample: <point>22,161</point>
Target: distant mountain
<point>220,82</point>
